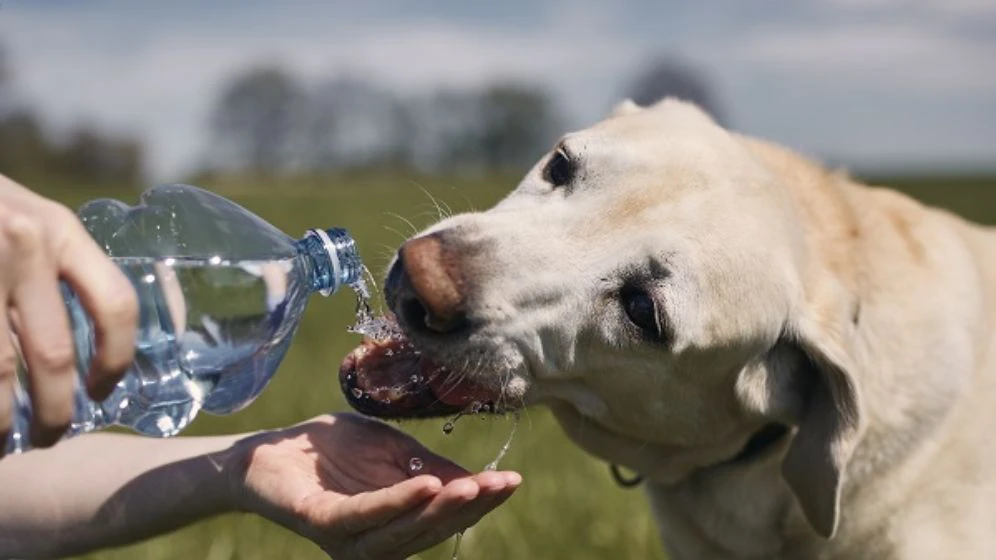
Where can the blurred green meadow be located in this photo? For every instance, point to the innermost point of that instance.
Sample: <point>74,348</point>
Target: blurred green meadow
<point>568,507</point>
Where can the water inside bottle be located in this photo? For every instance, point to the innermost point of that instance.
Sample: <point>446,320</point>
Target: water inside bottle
<point>210,329</point>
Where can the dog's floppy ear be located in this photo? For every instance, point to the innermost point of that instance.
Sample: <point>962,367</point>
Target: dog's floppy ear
<point>625,107</point>
<point>828,427</point>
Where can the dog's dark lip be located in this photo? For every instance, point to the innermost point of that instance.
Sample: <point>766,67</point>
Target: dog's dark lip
<point>391,377</point>
<point>364,403</point>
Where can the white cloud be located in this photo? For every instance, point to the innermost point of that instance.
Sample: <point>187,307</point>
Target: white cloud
<point>955,9</point>
<point>883,55</point>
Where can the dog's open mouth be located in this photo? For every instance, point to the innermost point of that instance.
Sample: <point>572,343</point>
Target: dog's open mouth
<point>387,376</point>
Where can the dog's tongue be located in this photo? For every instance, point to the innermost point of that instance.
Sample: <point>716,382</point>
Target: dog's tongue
<point>390,378</point>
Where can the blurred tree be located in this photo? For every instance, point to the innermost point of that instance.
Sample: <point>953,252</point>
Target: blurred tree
<point>92,155</point>
<point>449,123</point>
<point>87,155</point>
<point>351,122</point>
<point>23,146</point>
<point>518,122</point>
<point>505,125</point>
<point>668,77</point>
<point>6,83</point>
<point>4,67</point>
<point>255,119</point>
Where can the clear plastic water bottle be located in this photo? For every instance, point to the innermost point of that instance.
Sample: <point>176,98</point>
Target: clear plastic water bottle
<point>221,293</point>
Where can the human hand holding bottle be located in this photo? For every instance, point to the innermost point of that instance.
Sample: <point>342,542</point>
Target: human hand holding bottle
<point>41,243</point>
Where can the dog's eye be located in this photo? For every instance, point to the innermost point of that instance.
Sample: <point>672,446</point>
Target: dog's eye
<point>559,170</point>
<point>641,310</point>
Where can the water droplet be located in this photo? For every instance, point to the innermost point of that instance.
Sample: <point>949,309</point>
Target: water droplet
<point>456,545</point>
<point>448,428</point>
<point>493,465</point>
<point>357,392</point>
<point>415,464</point>
<point>389,352</point>
<point>415,379</point>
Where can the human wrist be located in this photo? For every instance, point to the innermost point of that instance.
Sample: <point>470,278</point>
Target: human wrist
<point>236,461</point>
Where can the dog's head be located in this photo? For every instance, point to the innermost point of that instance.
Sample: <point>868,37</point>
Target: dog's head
<point>650,279</point>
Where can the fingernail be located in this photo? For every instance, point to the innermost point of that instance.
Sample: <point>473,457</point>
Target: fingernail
<point>513,478</point>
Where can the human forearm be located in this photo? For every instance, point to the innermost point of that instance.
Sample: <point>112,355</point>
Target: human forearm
<point>101,490</point>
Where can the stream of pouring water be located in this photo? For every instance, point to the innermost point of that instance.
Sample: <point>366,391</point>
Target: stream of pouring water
<point>367,323</point>
<point>492,466</point>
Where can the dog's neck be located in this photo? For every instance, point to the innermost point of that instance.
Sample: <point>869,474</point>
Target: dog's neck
<point>729,510</point>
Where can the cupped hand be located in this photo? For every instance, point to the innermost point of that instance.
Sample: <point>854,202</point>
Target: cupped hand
<point>41,243</point>
<point>361,489</point>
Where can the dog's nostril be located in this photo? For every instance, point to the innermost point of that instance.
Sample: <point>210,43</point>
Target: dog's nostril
<point>413,313</point>
<point>392,284</point>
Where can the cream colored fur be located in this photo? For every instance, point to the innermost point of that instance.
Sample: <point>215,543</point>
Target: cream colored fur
<point>857,316</point>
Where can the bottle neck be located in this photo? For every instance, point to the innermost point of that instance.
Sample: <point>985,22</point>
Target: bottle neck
<point>334,259</point>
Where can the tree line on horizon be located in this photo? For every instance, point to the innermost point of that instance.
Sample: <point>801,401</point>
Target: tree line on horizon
<point>266,120</point>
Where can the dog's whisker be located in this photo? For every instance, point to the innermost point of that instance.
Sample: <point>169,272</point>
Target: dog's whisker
<point>408,222</point>
<point>470,205</point>
<point>400,235</point>
<point>439,211</point>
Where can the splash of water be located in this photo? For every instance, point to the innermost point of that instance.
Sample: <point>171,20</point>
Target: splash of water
<point>473,408</point>
<point>368,322</point>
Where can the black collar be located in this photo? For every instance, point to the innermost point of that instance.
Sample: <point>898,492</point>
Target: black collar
<point>763,439</point>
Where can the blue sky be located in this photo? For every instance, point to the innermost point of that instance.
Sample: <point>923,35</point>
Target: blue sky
<point>866,83</point>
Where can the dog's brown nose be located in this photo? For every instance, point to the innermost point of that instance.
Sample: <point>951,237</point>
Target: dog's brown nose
<point>426,288</point>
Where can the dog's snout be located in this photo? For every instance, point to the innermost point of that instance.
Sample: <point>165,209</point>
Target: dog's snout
<point>425,287</point>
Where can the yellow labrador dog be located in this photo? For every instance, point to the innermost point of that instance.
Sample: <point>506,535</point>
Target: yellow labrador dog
<point>799,365</point>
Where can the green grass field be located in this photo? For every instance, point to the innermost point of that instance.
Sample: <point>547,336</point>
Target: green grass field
<point>568,506</point>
